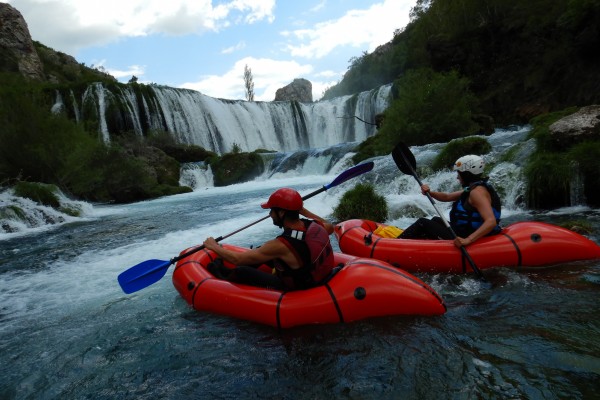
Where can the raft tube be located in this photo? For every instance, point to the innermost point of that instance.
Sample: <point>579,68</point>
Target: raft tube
<point>361,288</point>
<point>522,244</point>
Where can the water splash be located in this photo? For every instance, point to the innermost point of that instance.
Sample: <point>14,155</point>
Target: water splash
<point>196,175</point>
<point>20,216</point>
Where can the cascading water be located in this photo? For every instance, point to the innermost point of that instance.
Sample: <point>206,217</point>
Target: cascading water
<point>401,191</point>
<point>219,125</point>
<point>196,175</point>
<point>322,161</point>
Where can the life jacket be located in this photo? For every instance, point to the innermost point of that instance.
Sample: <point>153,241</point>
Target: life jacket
<point>465,219</point>
<point>313,248</point>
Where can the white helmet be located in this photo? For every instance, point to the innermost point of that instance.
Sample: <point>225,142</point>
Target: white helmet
<point>470,163</point>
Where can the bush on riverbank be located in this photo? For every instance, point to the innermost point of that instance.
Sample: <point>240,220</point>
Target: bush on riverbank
<point>39,192</point>
<point>553,172</point>
<point>361,202</point>
<point>460,147</point>
<point>42,194</point>
<point>236,167</point>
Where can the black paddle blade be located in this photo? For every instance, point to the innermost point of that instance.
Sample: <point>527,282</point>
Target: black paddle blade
<point>404,159</point>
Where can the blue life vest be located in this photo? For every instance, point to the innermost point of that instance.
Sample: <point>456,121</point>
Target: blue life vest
<point>313,248</point>
<point>465,219</point>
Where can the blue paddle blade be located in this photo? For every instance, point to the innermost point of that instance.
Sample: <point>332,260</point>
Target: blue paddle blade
<point>143,275</point>
<point>351,173</point>
<point>148,272</point>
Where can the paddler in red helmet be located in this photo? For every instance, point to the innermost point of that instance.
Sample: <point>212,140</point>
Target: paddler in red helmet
<point>301,257</point>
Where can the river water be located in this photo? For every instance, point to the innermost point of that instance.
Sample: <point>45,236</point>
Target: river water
<point>67,331</point>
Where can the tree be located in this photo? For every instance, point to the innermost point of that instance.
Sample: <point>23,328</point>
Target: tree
<point>248,83</point>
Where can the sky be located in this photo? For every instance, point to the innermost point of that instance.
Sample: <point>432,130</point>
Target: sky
<point>205,45</point>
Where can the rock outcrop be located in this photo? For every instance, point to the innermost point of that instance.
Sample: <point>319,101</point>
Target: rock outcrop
<point>17,53</point>
<point>299,90</point>
<point>577,127</point>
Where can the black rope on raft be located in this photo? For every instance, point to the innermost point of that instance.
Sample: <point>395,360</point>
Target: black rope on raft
<point>370,123</point>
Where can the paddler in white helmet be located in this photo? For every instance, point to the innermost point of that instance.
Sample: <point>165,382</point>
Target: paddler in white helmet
<point>475,213</point>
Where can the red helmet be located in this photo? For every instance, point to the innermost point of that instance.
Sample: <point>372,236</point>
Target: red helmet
<point>285,198</point>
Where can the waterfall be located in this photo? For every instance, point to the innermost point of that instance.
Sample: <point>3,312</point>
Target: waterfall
<point>58,104</point>
<point>402,193</point>
<point>94,103</point>
<point>196,175</point>
<point>218,125</point>
<point>320,161</point>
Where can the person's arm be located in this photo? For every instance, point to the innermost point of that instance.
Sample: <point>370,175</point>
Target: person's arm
<point>268,251</point>
<point>310,215</point>
<point>480,199</point>
<point>441,196</point>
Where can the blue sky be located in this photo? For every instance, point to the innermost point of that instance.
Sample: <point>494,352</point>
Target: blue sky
<point>204,45</point>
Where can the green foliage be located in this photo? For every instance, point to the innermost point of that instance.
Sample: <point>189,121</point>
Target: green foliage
<point>8,62</point>
<point>586,157</point>
<point>41,147</point>
<point>430,107</point>
<point>375,145</point>
<point>38,192</point>
<point>236,167</point>
<point>553,170</point>
<point>180,152</point>
<point>12,212</point>
<point>541,128</point>
<point>521,61</point>
<point>458,148</point>
<point>549,176</point>
<point>64,68</point>
<point>35,143</point>
<point>361,202</point>
<point>364,73</point>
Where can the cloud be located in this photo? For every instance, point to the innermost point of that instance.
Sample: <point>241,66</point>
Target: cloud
<point>136,70</point>
<point>235,48</point>
<point>268,76</point>
<point>93,23</point>
<point>373,27</point>
<point>318,7</point>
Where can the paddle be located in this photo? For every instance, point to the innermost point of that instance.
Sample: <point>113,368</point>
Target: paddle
<point>148,272</point>
<point>405,160</point>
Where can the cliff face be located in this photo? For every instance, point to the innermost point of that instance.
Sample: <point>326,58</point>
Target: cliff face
<point>299,90</point>
<point>17,52</point>
<point>20,54</point>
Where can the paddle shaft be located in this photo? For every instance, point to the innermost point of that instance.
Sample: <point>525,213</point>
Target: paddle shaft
<point>462,248</point>
<point>199,248</point>
<point>148,272</point>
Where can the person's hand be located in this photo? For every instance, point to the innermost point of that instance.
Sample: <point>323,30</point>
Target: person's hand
<point>425,189</point>
<point>210,243</point>
<point>462,242</point>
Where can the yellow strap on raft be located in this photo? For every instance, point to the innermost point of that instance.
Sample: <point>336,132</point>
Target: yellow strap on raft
<point>387,231</point>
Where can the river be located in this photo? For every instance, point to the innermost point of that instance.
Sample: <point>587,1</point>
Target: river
<point>67,331</point>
